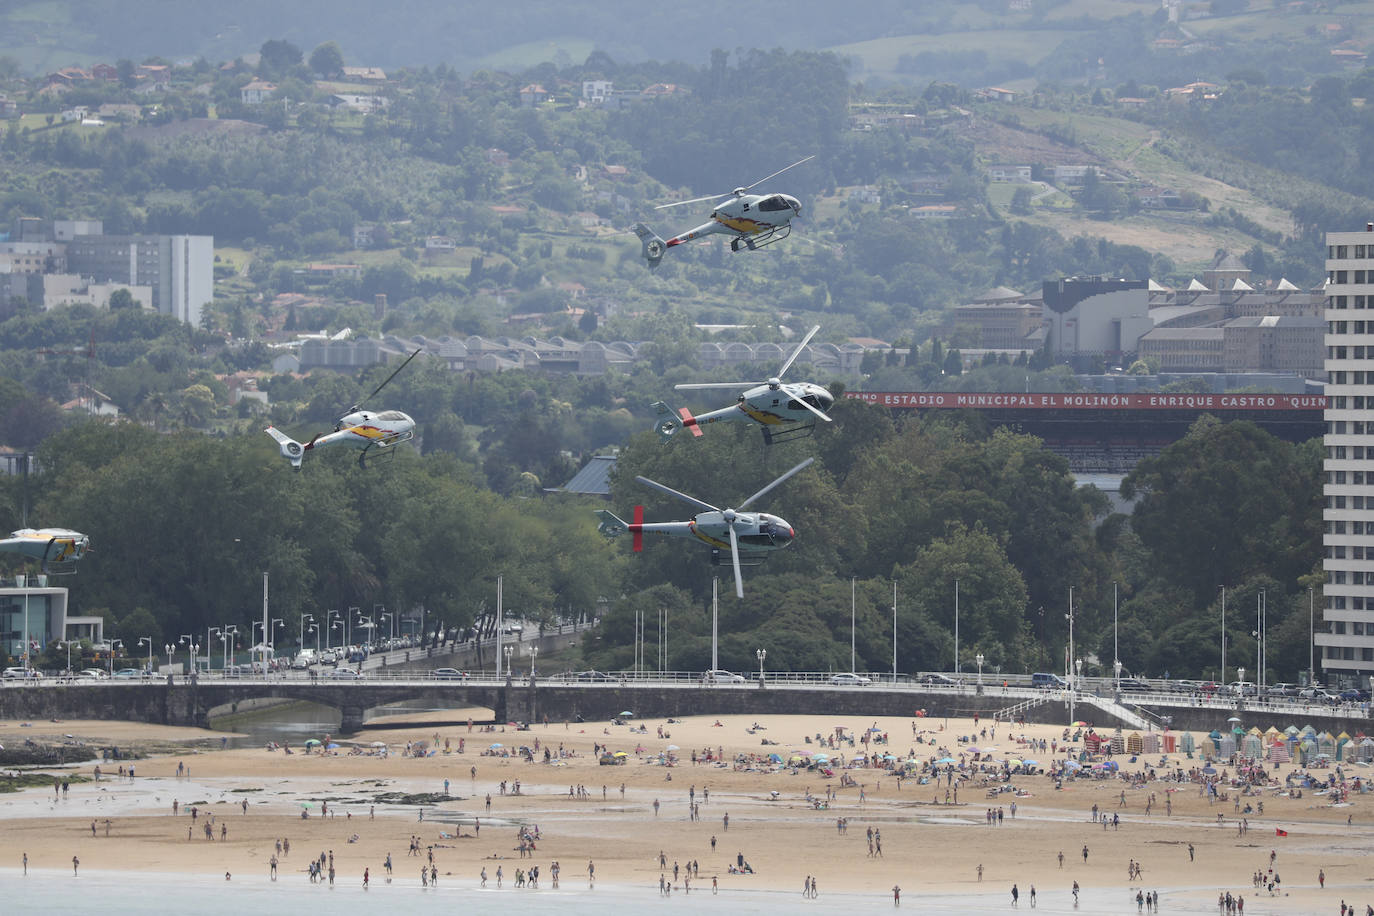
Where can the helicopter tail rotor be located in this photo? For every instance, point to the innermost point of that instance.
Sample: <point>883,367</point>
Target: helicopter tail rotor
<point>669,423</point>
<point>653,247</point>
<point>292,450</point>
<point>613,525</point>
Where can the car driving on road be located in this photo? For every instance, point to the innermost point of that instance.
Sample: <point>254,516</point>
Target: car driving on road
<point>846,679</point>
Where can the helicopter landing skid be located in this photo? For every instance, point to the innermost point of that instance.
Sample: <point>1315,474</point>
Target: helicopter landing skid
<point>722,558</point>
<point>771,437</point>
<point>754,243</point>
<point>383,447</point>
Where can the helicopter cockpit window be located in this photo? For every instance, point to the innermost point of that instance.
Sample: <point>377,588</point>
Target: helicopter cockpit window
<point>810,399</point>
<point>774,203</point>
<point>391,415</point>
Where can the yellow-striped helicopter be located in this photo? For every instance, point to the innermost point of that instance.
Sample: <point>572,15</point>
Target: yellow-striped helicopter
<point>754,220</point>
<point>372,431</point>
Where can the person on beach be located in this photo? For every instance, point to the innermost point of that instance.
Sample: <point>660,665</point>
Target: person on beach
<point>896,895</point>
<point>1015,895</point>
<point>76,863</point>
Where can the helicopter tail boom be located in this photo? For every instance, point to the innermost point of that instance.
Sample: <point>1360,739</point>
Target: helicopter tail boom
<point>292,450</point>
<point>652,246</point>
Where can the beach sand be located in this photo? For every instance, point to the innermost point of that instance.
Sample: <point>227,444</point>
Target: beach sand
<point>927,847</point>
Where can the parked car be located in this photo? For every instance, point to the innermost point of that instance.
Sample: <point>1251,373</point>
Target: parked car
<point>20,673</point>
<point>130,673</point>
<point>939,680</point>
<point>846,679</point>
<point>448,674</point>
<point>95,674</point>
<point>721,677</point>
<point>344,674</point>
<point>592,676</point>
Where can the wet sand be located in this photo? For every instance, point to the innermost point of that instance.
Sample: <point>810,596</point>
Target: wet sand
<point>928,847</point>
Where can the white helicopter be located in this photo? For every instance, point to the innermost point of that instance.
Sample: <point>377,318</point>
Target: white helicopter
<point>749,536</point>
<point>362,429</point>
<point>785,411</point>
<point>51,546</point>
<point>755,220</point>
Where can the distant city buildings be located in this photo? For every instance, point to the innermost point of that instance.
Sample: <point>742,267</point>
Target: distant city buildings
<point>72,261</point>
<point>1219,324</point>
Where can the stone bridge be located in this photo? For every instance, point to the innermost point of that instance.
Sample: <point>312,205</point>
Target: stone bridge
<point>192,703</point>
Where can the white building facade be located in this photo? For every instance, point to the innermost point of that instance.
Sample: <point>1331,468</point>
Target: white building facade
<point>1345,638</point>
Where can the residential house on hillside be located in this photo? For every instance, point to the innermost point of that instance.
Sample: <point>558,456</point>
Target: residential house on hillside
<point>9,108</point>
<point>256,92</point>
<point>1003,171</point>
<point>106,72</point>
<point>365,74</point>
<point>595,92</point>
<point>533,94</point>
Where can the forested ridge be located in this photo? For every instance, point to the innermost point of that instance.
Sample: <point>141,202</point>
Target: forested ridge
<point>457,154</point>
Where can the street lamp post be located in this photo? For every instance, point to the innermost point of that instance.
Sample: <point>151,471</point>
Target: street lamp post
<point>1311,633</point>
<point>188,641</point>
<point>304,618</point>
<point>1078,675</point>
<point>1223,634</point>
<point>210,635</point>
<point>315,628</point>
<point>68,643</point>
<point>169,648</point>
<point>1240,679</point>
<point>390,628</point>
<point>761,654</point>
<point>534,653</point>
<point>329,620</point>
<point>1117,666</point>
<point>978,659</point>
<point>348,630</point>
<point>230,632</point>
<point>149,641</point>
<point>509,651</point>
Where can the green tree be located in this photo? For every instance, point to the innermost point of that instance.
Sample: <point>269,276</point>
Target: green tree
<point>122,299</point>
<point>327,60</point>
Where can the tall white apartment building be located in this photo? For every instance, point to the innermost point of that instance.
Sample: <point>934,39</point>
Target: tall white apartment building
<point>1345,638</point>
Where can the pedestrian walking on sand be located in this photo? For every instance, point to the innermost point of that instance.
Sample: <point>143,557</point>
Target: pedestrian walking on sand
<point>76,863</point>
<point>896,895</point>
<point>1015,895</point>
<point>26,863</point>
<point>1032,896</point>
<point>365,878</point>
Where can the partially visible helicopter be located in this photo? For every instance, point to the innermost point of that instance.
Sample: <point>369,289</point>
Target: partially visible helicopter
<point>362,429</point>
<point>754,220</point>
<point>785,411</point>
<point>748,536</point>
<point>53,547</point>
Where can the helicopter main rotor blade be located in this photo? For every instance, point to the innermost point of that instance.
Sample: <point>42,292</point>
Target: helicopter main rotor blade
<point>734,561</point>
<point>799,396</point>
<point>690,500</point>
<point>702,386</point>
<point>797,352</point>
<point>694,200</point>
<point>779,172</point>
<point>388,379</point>
<point>776,482</point>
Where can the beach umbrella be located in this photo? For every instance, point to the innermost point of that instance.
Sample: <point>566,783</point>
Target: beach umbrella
<point>1032,763</point>
<point>674,747</point>
<point>312,742</point>
<point>774,758</point>
<point>1073,764</point>
<point>379,744</point>
<point>493,747</point>
<point>307,804</point>
<point>1079,724</point>
<point>626,713</point>
<point>622,753</point>
<point>331,746</point>
<point>1209,770</point>
<point>945,760</point>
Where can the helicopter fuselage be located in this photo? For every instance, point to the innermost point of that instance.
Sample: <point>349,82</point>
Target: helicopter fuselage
<point>48,544</point>
<point>746,216</point>
<point>368,429</point>
<point>769,406</point>
<point>757,532</point>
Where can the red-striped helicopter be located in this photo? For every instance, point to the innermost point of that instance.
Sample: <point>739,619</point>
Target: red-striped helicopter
<point>362,429</point>
<point>748,536</point>
<point>785,411</point>
<point>755,220</point>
